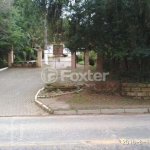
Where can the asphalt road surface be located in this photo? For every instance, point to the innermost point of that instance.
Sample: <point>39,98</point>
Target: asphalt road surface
<point>76,133</point>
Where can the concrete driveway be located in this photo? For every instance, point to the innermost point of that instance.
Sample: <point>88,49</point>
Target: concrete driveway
<point>60,63</point>
<point>18,87</point>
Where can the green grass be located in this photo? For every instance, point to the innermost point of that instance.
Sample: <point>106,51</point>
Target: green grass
<point>73,108</point>
<point>79,98</point>
<point>81,63</point>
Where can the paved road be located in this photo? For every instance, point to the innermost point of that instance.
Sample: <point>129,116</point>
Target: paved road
<point>18,87</point>
<point>75,133</point>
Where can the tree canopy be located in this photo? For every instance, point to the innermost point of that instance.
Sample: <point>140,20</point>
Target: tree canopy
<point>118,30</point>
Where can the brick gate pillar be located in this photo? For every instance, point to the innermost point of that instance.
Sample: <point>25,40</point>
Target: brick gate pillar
<point>86,60</point>
<point>10,58</point>
<point>73,60</point>
<point>39,58</point>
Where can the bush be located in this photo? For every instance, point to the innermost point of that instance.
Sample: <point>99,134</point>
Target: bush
<point>33,57</point>
<point>92,58</point>
<point>81,63</point>
<point>80,57</point>
<point>17,59</point>
<point>2,63</point>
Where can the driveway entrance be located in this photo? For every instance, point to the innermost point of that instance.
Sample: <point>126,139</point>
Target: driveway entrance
<point>18,87</point>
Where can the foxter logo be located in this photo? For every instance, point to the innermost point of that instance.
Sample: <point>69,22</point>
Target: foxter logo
<point>50,75</point>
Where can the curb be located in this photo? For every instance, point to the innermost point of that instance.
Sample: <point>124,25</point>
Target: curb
<point>112,111</point>
<point>41,104</point>
<point>50,110</point>
<point>91,112</point>
<point>142,110</point>
<point>103,111</point>
<point>57,94</point>
<point>64,112</point>
<point>3,68</point>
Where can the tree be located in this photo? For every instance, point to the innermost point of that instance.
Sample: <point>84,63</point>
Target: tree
<point>30,23</point>
<point>22,24</point>
<point>4,28</point>
<point>51,12</point>
<point>117,30</point>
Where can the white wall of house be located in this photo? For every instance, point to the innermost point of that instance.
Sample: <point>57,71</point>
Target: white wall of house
<point>50,50</point>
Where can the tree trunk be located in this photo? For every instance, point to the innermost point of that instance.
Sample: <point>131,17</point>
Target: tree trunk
<point>73,60</point>
<point>86,60</point>
<point>45,35</point>
<point>100,62</point>
<point>126,63</point>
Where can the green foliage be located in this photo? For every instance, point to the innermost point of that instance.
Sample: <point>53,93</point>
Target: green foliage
<point>20,28</point>
<point>76,92</point>
<point>28,49</point>
<point>80,57</point>
<point>81,62</point>
<point>118,29</point>
<point>58,90</point>
<point>17,59</point>
<point>21,25</point>
<point>24,55</point>
<point>2,63</point>
<point>51,12</point>
<point>92,58</point>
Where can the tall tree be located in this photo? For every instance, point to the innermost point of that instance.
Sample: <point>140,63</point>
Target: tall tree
<point>117,30</point>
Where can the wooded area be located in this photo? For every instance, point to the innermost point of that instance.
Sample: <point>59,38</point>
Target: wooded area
<point>118,31</point>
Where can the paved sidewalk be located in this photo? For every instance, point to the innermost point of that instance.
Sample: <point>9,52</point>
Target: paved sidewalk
<point>18,87</point>
<point>63,62</point>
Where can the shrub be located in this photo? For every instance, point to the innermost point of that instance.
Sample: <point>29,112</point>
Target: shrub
<point>2,63</point>
<point>81,63</point>
<point>80,57</point>
<point>92,58</point>
<point>33,57</point>
<point>17,59</point>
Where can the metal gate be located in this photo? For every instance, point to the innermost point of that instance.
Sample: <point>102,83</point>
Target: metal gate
<point>57,61</point>
<point>57,57</point>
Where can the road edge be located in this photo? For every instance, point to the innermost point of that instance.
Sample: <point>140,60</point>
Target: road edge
<point>3,69</point>
<point>41,104</point>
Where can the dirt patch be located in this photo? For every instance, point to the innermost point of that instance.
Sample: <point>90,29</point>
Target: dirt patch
<point>91,98</point>
<point>86,100</point>
<point>113,86</point>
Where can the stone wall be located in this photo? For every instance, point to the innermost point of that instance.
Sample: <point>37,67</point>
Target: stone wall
<point>25,64</point>
<point>136,90</point>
